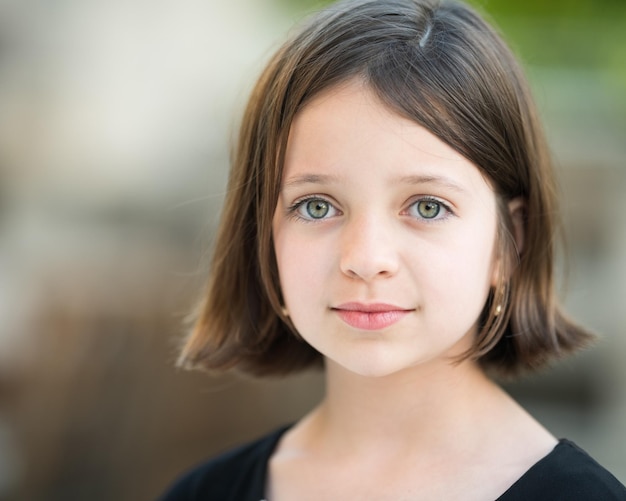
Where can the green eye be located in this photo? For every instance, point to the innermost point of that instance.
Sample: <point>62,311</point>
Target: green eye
<point>428,209</point>
<point>317,209</point>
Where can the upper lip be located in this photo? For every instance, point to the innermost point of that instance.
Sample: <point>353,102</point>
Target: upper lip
<point>370,307</point>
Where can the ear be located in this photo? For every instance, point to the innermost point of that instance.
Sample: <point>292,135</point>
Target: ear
<point>517,211</point>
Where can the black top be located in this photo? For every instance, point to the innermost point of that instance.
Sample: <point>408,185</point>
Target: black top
<point>566,474</point>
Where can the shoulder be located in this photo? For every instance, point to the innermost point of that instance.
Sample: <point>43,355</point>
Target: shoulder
<point>236,474</point>
<point>567,473</point>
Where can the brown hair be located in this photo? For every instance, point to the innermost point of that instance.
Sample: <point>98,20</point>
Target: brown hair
<point>440,65</point>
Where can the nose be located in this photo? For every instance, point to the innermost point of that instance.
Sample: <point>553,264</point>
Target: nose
<point>369,249</point>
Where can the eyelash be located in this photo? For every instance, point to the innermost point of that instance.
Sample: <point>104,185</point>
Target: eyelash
<point>293,209</point>
<point>444,209</point>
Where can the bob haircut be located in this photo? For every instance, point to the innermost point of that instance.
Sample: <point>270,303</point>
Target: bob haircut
<point>442,66</point>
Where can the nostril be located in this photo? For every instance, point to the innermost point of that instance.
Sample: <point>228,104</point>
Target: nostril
<point>367,266</point>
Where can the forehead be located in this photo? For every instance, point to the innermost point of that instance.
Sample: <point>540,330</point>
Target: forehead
<point>346,131</point>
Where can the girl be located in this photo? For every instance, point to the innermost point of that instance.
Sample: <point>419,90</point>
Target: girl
<point>390,217</point>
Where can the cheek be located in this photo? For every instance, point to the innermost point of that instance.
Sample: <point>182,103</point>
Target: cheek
<point>303,266</point>
<point>461,274</point>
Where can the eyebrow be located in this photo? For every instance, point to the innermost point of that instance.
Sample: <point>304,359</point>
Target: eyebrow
<point>310,179</point>
<point>429,179</point>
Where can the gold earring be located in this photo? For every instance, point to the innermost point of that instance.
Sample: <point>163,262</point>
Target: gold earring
<point>284,311</point>
<point>499,298</point>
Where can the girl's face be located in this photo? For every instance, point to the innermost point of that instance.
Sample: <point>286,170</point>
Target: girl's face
<point>384,236</point>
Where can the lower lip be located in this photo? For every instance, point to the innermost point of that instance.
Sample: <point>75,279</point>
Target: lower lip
<point>371,321</point>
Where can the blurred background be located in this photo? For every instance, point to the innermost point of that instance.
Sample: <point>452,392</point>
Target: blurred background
<point>115,123</point>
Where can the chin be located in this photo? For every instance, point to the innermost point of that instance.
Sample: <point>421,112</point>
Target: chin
<point>373,366</point>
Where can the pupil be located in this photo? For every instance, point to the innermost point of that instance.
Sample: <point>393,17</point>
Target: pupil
<point>317,209</point>
<point>428,209</point>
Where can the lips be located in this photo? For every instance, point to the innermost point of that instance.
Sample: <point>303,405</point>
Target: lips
<point>375,316</point>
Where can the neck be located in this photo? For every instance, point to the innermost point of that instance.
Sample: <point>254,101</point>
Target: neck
<point>427,406</point>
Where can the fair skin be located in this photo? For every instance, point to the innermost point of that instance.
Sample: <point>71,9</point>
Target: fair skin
<point>385,243</point>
